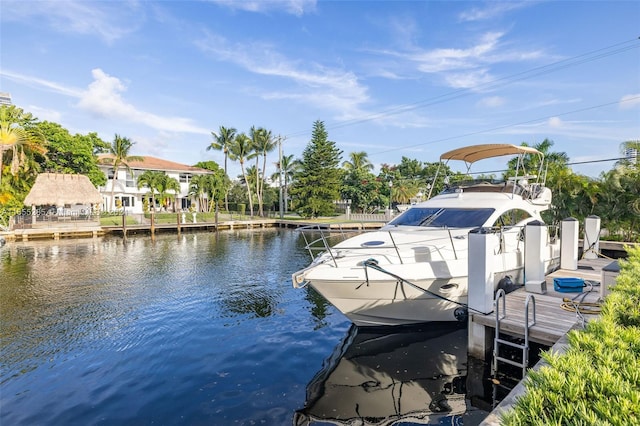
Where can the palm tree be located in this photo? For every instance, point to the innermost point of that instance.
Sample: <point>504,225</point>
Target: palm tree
<point>263,143</point>
<point>15,136</point>
<point>288,167</point>
<point>222,141</point>
<point>554,161</point>
<point>243,150</point>
<point>359,161</point>
<point>166,184</point>
<point>151,179</point>
<point>119,150</point>
<point>198,188</point>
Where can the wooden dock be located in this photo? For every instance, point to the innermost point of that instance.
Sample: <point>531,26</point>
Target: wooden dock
<point>552,320</point>
<point>81,229</point>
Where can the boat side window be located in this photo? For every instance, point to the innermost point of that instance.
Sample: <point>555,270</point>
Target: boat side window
<point>511,218</point>
<point>443,218</point>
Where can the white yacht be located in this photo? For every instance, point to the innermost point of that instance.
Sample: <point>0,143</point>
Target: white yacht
<point>415,268</point>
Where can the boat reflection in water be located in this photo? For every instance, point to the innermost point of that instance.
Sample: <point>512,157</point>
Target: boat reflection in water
<point>391,376</point>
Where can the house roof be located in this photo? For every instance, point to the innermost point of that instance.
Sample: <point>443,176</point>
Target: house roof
<point>153,163</point>
<point>58,189</point>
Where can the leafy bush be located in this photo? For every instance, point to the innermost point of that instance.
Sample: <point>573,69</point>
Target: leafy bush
<point>597,381</point>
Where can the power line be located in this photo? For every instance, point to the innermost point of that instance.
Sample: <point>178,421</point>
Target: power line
<point>595,161</point>
<point>493,84</point>
<point>509,125</point>
<point>573,163</point>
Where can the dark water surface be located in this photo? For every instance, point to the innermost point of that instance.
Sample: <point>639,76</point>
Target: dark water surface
<point>198,329</point>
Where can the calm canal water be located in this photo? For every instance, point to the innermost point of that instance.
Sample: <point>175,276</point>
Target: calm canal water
<point>205,329</point>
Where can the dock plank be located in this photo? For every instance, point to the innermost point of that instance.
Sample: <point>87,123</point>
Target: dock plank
<point>552,321</point>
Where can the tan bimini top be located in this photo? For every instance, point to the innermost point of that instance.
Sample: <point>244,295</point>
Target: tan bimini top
<point>473,153</point>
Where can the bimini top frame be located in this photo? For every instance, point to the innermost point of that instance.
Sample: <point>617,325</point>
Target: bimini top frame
<point>471,154</point>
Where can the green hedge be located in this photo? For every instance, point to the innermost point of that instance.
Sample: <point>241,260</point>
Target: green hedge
<point>597,381</point>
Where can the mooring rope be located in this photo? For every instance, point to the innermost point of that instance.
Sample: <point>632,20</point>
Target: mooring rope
<point>373,264</point>
<point>580,307</point>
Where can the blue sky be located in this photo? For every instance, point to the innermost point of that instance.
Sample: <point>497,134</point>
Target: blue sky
<point>391,78</point>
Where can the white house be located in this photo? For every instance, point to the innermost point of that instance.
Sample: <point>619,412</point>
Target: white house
<point>125,186</point>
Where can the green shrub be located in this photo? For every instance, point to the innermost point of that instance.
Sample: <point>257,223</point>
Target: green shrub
<point>597,381</point>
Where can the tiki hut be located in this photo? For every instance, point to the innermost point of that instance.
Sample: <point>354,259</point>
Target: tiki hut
<point>62,190</point>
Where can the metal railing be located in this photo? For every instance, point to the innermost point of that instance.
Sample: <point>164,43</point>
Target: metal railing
<point>322,238</point>
<point>52,220</point>
<point>327,237</point>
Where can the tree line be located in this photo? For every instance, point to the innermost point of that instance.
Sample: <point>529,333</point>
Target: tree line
<point>319,183</point>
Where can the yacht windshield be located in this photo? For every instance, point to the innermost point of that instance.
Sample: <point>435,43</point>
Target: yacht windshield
<point>443,218</point>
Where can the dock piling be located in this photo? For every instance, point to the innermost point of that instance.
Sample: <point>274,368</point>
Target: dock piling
<point>591,246</point>
<point>480,288</point>
<point>535,240</point>
<point>569,244</point>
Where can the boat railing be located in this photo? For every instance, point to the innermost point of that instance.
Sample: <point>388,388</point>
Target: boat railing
<point>324,238</point>
<point>317,245</point>
<point>527,186</point>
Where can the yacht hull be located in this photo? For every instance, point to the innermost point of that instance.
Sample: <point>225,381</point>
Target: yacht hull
<point>389,302</point>
<point>371,298</point>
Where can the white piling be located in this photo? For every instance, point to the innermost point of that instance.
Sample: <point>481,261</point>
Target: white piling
<point>591,242</point>
<point>481,286</point>
<point>535,245</point>
<point>569,244</point>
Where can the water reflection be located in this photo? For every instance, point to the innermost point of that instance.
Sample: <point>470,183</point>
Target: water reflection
<point>59,295</point>
<point>383,377</point>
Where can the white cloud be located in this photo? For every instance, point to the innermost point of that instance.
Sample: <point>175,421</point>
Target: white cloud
<point>103,99</point>
<point>32,81</point>
<point>326,87</point>
<point>555,122</point>
<point>630,101</point>
<point>109,21</point>
<point>294,7</point>
<point>463,67</point>
<point>491,10</point>
<point>446,59</point>
<point>492,102</point>
<point>468,80</point>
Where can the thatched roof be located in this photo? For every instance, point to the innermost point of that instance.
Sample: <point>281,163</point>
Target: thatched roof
<point>57,189</point>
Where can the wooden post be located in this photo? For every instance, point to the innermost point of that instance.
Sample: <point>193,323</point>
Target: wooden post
<point>124,224</point>
<point>153,226</point>
<point>178,214</point>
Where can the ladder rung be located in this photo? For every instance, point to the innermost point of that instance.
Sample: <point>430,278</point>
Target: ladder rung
<point>523,347</point>
<point>508,361</point>
<point>513,345</point>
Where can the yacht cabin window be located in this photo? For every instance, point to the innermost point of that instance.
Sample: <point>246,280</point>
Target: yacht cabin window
<point>443,217</point>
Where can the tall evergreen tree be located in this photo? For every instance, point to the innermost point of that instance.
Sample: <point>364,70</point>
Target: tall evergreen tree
<point>317,184</point>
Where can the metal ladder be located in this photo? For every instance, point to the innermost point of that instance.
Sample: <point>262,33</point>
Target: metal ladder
<point>500,295</point>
